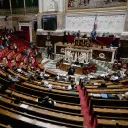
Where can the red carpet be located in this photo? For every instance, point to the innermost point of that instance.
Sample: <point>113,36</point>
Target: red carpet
<point>84,108</point>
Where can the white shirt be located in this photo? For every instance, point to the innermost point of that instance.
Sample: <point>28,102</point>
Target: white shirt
<point>69,87</point>
<point>46,83</point>
<point>96,83</point>
<point>49,86</point>
<point>114,77</point>
<point>41,74</point>
<point>19,70</point>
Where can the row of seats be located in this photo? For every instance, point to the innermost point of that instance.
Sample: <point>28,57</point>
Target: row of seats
<point>20,102</point>
<point>107,109</point>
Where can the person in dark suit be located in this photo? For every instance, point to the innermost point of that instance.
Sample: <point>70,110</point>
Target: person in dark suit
<point>64,37</point>
<point>71,70</point>
<point>93,36</point>
<point>102,85</point>
<point>49,51</point>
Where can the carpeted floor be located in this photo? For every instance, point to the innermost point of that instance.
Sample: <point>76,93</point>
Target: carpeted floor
<point>85,109</point>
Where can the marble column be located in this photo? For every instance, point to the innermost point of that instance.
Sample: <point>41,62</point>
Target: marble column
<point>126,24</point>
<point>39,17</point>
<point>40,3</point>
<point>61,4</point>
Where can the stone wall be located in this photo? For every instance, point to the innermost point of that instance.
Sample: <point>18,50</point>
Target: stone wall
<point>7,22</point>
<point>30,18</point>
<point>126,23</point>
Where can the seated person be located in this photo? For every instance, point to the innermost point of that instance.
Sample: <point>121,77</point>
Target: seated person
<point>57,64</point>
<point>1,46</point>
<point>76,62</point>
<point>121,74</point>
<point>68,87</point>
<point>3,88</point>
<point>72,85</point>
<point>117,125</point>
<point>6,68</point>
<point>17,101</point>
<point>39,75</point>
<point>46,83</point>
<point>14,46</point>
<point>25,52</point>
<point>14,68</point>
<point>12,79</point>
<point>106,78</point>
<point>51,102</point>
<point>55,78</point>
<point>68,78</point>
<point>32,68</point>
<point>102,85</point>
<point>71,70</point>
<point>1,65</point>
<point>19,70</point>
<point>48,101</point>
<point>114,78</point>
<point>126,95</point>
<point>84,36</point>
<point>46,76</point>
<point>49,87</point>
<point>30,76</point>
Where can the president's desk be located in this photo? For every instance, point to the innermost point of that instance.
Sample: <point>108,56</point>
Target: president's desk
<point>105,54</point>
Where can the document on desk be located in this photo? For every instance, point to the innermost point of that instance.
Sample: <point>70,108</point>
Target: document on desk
<point>24,106</point>
<point>103,95</point>
<point>96,95</point>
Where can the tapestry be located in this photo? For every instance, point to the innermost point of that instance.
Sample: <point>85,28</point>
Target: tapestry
<point>4,7</point>
<point>31,6</point>
<point>17,6</point>
<point>86,4</point>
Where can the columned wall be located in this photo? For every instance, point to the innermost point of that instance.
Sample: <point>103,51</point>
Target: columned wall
<point>113,20</point>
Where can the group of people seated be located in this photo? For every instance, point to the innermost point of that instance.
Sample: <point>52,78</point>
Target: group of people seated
<point>47,101</point>
<point>4,40</point>
<point>113,77</point>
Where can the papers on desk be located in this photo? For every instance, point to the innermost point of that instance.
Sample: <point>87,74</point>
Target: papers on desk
<point>46,83</point>
<point>90,76</point>
<point>66,63</point>
<point>24,106</point>
<point>96,95</point>
<point>82,77</point>
<point>103,95</point>
<point>102,75</point>
<point>95,83</point>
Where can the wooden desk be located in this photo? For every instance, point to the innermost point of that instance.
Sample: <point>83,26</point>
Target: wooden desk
<point>53,90</point>
<point>111,123</point>
<point>54,83</point>
<point>14,73</point>
<point>109,86</point>
<point>41,92</point>
<point>62,106</point>
<point>49,114</point>
<point>107,90</point>
<point>50,72</point>
<point>113,113</point>
<point>123,112</point>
